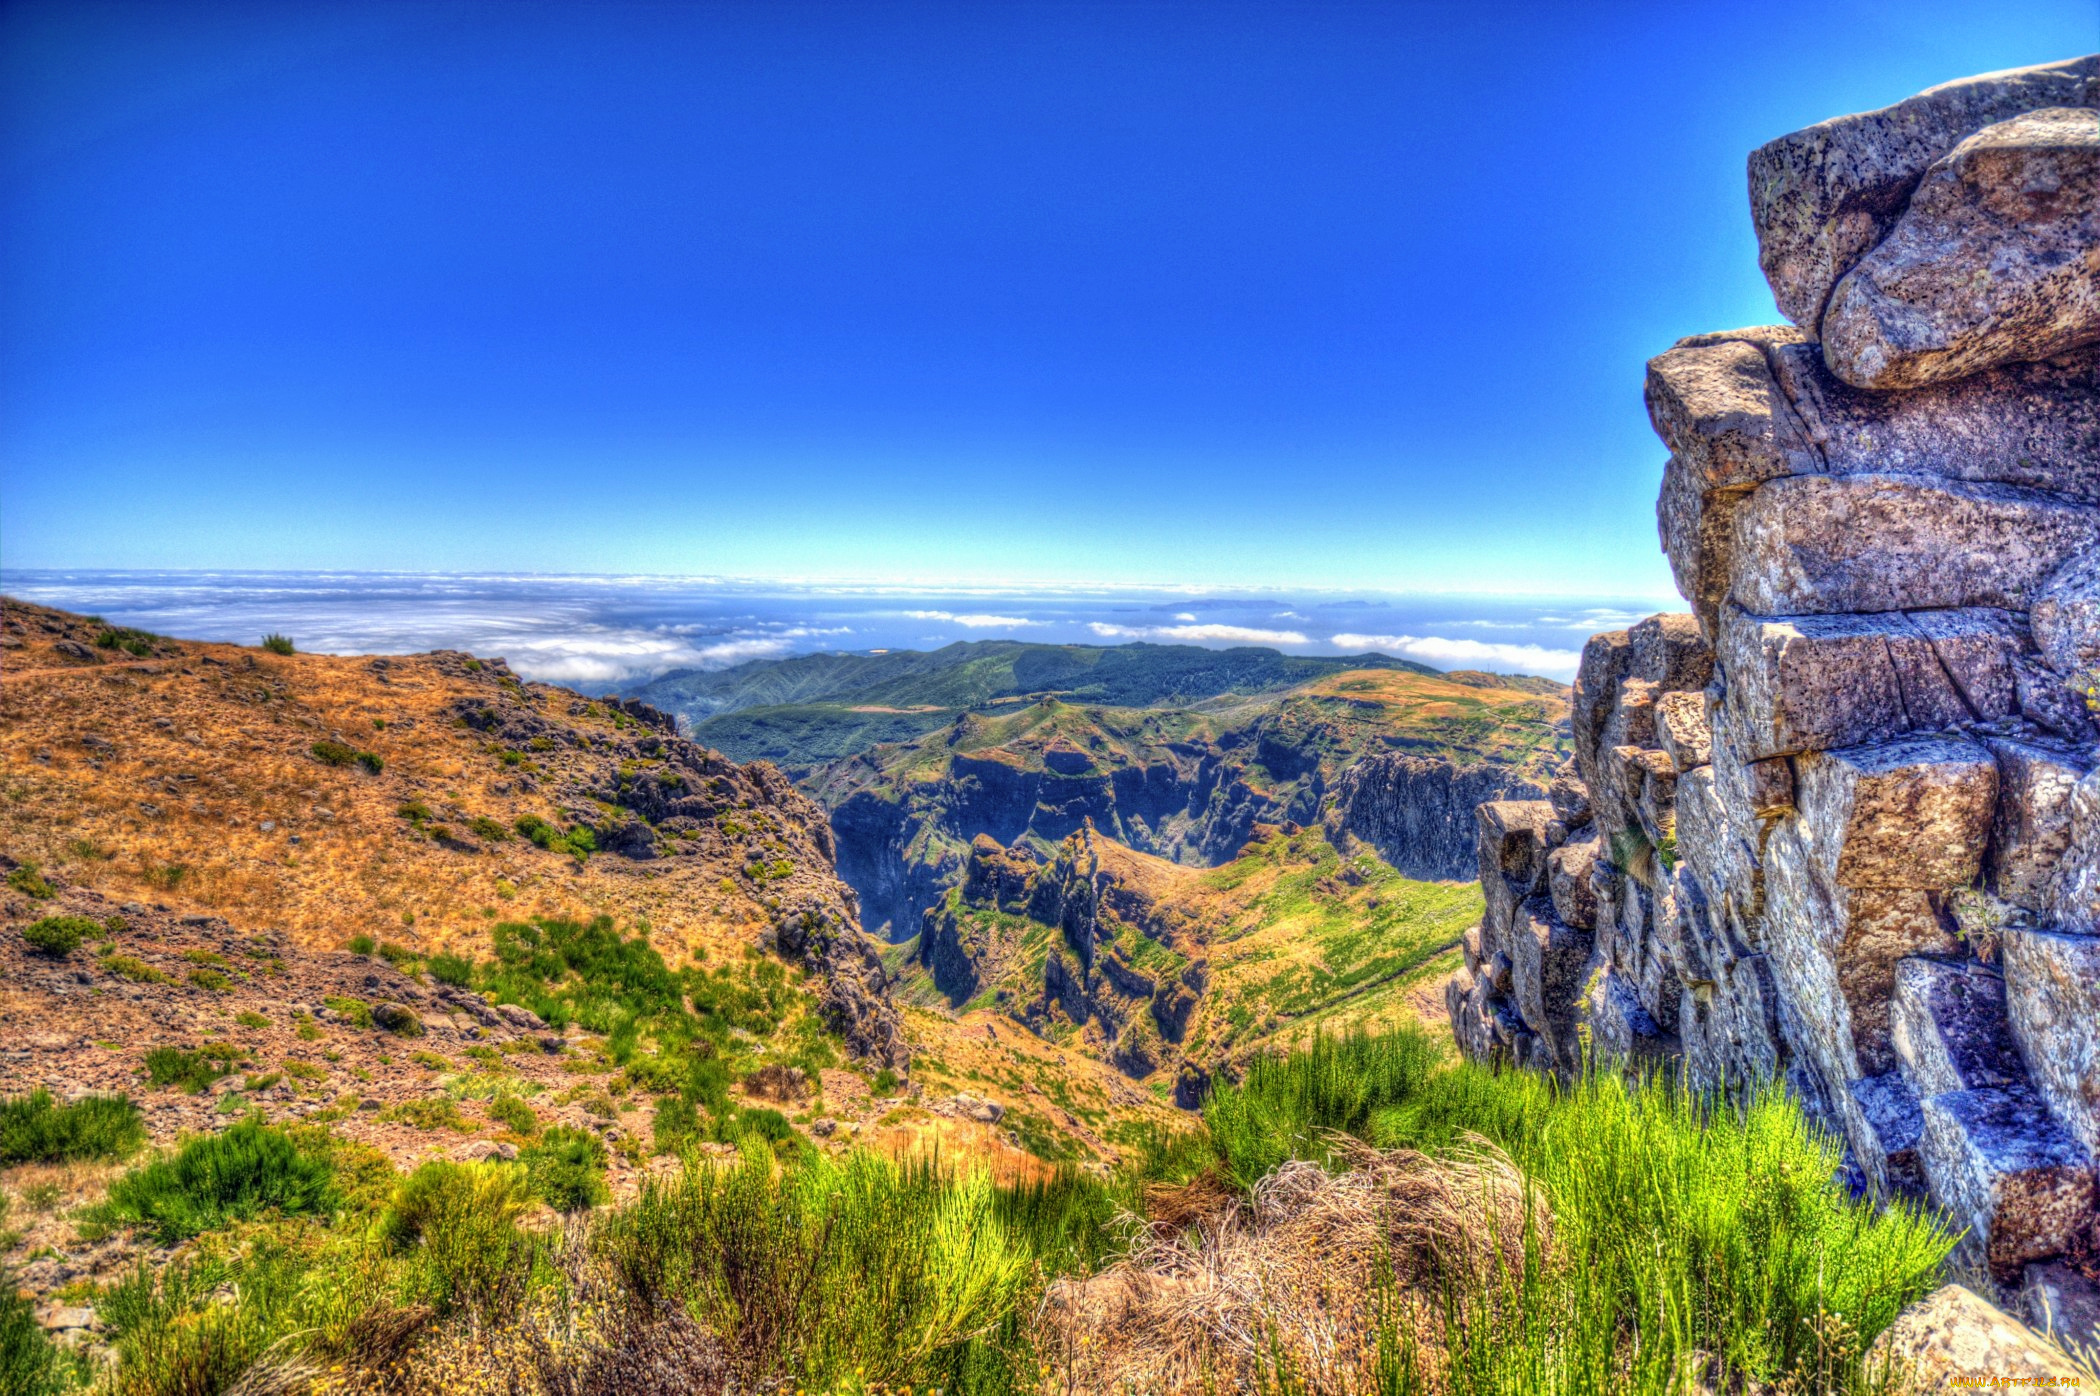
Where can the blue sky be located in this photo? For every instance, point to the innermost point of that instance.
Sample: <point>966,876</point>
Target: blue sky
<point>1346,295</point>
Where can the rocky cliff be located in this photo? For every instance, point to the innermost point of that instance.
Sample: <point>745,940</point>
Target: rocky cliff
<point>1417,811</point>
<point>1841,825</point>
<point>1191,784</point>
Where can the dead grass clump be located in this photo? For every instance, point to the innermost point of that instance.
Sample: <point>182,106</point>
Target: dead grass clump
<point>1290,1280</point>
<point>778,1082</point>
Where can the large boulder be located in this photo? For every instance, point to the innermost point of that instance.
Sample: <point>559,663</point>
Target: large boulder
<point>1822,196</point>
<point>1812,544</point>
<point>1954,1336</point>
<point>1996,260</point>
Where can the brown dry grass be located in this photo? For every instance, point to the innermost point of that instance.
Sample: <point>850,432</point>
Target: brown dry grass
<point>217,740</point>
<point>1227,1292</point>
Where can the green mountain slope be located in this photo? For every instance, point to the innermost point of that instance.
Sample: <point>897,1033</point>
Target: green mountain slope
<point>979,673</point>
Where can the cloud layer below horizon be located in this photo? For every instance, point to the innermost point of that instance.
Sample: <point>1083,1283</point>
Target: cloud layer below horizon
<point>599,632</point>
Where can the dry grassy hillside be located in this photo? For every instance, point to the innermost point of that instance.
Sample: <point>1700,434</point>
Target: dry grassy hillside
<point>189,776</point>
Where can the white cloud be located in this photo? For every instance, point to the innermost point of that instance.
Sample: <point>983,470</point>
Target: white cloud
<point>1185,615</point>
<point>1198,634</point>
<point>975,620</point>
<point>1467,654</point>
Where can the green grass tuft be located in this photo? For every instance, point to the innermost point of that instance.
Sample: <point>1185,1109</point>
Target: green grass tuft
<point>217,1178</point>
<point>36,1129</point>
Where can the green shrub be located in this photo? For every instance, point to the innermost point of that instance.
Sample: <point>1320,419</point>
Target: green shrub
<point>456,970</point>
<point>393,954</point>
<point>248,1018</point>
<point>277,644</point>
<point>210,980</point>
<point>29,880</point>
<point>514,1113</point>
<point>458,1224</point>
<point>137,643</point>
<point>356,1012</point>
<point>884,1084</point>
<point>30,1363</point>
<point>217,1178</point>
<point>566,1169</point>
<point>436,1112</point>
<point>334,753</point>
<point>36,1129</point>
<point>132,968</point>
<point>677,1125</point>
<point>359,945</point>
<point>59,936</point>
<point>488,829</point>
<point>192,1071</point>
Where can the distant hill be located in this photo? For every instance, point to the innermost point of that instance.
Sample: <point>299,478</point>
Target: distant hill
<point>892,691</point>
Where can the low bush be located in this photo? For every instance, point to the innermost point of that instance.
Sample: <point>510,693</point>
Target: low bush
<point>136,970</point>
<point>458,1225</point>
<point>59,936</point>
<point>37,1129</point>
<point>514,1114</point>
<point>360,945</point>
<point>137,643</point>
<point>333,753</point>
<point>217,1178</point>
<point>456,970</point>
<point>192,1071</point>
<point>566,1169</point>
<point>209,980</point>
<point>488,829</point>
<point>277,644</point>
<point>30,1363</point>
<point>356,1012</point>
<point>29,880</point>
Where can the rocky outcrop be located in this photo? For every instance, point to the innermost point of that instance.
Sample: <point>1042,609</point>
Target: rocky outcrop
<point>1417,811</point>
<point>1125,971</point>
<point>1841,825</point>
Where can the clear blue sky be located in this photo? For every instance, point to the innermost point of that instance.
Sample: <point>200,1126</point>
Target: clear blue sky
<point>1347,294</point>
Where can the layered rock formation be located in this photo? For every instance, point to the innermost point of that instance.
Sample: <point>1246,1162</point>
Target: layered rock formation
<point>1841,825</point>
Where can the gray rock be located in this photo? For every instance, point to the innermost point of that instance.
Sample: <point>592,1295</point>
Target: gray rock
<point>2063,1305</point>
<point>1992,262</point>
<point>2031,829</point>
<point>1912,812</point>
<point>1512,850</point>
<point>1569,797</point>
<point>2052,982</point>
<point>1724,417</point>
<point>2022,424</point>
<point>1669,652</point>
<point>1813,544</point>
<point>2003,1167</point>
<point>1887,1147</point>
<point>1834,952</point>
<point>1947,1021</point>
<point>1550,961</point>
<point>1568,870</point>
<point>1417,811</point>
<point>1681,730</point>
<point>2066,617</point>
<point>1952,1336</point>
<point>1822,196</point>
<point>1622,1031</point>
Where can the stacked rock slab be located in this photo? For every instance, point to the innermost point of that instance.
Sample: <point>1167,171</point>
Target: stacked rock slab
<point>1840,826</point>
